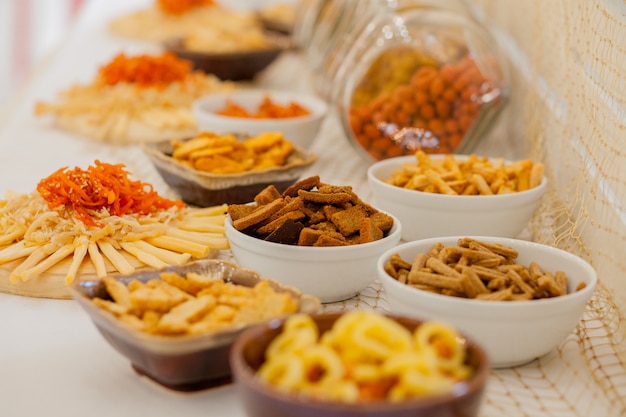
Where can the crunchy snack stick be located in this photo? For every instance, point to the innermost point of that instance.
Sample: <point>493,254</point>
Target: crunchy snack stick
<point>472,176</point>
<point>477,269</point>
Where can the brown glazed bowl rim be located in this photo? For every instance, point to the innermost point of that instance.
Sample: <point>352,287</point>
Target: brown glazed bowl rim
<point>244,374</point>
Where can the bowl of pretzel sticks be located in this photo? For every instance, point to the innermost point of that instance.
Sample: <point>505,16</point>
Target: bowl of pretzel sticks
<point>450,194</point>
<point>517,298</point>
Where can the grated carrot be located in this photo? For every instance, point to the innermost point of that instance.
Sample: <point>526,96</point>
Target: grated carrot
<point>102,186</point>
<point>145,70</point>
<point>178,7</point>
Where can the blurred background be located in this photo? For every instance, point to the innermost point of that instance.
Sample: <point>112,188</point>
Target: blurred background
<point>31,30</point>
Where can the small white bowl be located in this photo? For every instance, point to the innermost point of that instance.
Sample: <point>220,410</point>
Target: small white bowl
<point>331,274</point>
<point>301,131</point>
<point>425,215</point>
<point>512,332</point>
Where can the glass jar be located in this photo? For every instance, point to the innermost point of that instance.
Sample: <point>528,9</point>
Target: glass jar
<point>427,78</point>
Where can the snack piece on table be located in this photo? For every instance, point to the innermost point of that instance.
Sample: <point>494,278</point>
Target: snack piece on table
<point>311,213</point>
<point>135,99</point>
<point>89,223</point>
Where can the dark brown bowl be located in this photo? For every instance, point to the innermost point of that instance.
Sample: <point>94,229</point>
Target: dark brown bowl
<point>261,400</point>
<point>232,66</point>
<point>206,189</point>
<point>186,362</point>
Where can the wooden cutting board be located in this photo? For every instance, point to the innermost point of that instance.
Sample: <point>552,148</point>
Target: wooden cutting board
<point>51,284</point>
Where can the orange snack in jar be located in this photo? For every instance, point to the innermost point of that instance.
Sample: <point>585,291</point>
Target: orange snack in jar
<point>432,109</point>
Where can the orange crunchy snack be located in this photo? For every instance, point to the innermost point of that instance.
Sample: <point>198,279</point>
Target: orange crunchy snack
<point>311,213</point>
<point>479,270</point>
<point>225,154</point>
<point>267,109</point>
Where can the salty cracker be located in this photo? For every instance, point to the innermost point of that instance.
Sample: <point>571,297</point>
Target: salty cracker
<point>325,209</point>
<point>218,305</point>
<point>260,214</point>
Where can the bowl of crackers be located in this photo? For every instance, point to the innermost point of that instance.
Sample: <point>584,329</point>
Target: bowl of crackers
<point>297,115</point>
<point>518,299</point>
<point>176,325</point>
<point>450,194</point>
<point>319,238</point>
<point>213,169</point>
<point>358,363</point>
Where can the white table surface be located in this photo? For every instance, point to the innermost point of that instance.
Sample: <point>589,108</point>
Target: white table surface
<point>53,361</point>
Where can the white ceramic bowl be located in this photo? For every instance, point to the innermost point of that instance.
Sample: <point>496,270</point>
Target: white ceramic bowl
<point>329,273</point>
<point>301,131</point>
<point>425,215</point>
<point>512,332</point>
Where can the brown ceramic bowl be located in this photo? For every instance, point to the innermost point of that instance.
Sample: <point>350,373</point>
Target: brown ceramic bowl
<point>232,66</point>
<point>261,400</point>
<point>205,189</point>
<point>186,362</point>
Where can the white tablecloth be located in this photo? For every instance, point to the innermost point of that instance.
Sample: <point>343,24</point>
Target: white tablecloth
<point>53,362</point>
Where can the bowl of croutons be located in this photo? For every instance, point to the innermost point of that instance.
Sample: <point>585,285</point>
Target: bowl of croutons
<point>297,115</point>
<point>518,299</point>
<point>176,325</point>
<point>212,169</point>
<point>358,363</point>
<point>319,238</point>
<point>448,194</point>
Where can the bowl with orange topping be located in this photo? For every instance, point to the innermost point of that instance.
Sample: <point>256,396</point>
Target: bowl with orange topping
<point>442,195</point>
<point>211,169</point>
<point>297,115</point>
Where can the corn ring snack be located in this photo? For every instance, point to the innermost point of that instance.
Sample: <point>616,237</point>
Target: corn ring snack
<point>366,357</point>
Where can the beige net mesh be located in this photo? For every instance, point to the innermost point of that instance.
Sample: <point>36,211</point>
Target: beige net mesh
<point>568,73</point>
<point>567,109</point>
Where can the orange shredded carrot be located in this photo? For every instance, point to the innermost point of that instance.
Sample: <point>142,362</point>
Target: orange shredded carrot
<point>145,70</point>
<point>178,7</point>
<point>101,186</point>
<point>267,109</point>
